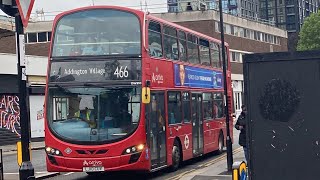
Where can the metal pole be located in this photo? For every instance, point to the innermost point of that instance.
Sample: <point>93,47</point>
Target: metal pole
<point>228,141</point>
<point>26,170</point>
<point>1,166</point>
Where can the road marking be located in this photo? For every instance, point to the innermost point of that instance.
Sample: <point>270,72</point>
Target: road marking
<point>220,158</point>
<point>10,173</point>
<point>68,174</point>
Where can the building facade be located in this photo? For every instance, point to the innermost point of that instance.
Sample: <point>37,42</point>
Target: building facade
<point>36,69</point>
<point>288,14</point>
<point>244,8</point>
<point>243,36</point>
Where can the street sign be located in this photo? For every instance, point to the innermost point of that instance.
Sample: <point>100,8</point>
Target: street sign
<point>25,8</point>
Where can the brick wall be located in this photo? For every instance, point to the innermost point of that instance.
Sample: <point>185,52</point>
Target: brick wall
<point>8,45</point>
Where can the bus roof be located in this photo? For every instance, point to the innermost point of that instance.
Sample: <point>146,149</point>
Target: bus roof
<point>140,14</point>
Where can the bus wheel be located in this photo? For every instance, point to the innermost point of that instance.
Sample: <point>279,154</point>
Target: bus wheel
<point>220,143</point>
<point>176,156</point>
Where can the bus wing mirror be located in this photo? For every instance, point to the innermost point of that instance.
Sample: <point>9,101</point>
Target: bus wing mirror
<point>145,95</point>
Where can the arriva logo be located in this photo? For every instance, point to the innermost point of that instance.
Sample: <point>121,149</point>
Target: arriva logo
<point>157,78</point>
<point>92,163</point>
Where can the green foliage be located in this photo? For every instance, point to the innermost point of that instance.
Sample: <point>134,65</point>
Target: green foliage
<point>309,36</point>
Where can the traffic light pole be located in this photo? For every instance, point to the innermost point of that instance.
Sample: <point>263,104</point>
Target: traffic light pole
<point>26,171</point>
<point>228,141</point>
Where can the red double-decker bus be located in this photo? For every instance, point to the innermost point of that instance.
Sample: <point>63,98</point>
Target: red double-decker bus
<point>129,91</point>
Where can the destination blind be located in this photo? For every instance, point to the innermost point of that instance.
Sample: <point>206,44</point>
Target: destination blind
<point>95,71</point>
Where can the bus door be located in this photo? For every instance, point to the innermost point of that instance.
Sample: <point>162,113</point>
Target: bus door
<point>197,124</point>
<point>156,129</point>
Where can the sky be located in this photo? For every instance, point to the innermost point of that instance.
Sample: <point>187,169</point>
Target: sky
<point>53,7</point>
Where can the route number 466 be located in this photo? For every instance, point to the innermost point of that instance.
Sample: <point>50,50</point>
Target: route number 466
<point>121,72</point>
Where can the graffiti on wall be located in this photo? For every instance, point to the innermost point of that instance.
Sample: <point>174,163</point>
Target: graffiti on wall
<point>10,113</point>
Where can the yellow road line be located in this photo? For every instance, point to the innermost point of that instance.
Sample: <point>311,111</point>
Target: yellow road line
<point>178,176</point>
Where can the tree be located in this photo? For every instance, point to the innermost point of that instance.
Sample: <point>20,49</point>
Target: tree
<point>309,34</point>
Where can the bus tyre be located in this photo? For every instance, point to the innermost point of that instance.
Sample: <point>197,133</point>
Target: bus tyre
<point>176,156</point>
<point>220,143</point>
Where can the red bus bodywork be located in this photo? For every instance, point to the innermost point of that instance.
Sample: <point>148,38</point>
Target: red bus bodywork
<point>110,155</point>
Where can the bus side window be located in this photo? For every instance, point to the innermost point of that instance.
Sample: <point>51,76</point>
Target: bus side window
<point>155,39</point>
<point>193,50</point>
<point>170,43</point>
<point>207,106</point>
<point>218,105</point>
<point>204,52</point>
<point>174,107</point>
<point>215,55</point>
<point>182,46</point>
<point>186,107</point>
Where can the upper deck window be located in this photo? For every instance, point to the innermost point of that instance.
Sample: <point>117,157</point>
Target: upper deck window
<point>193,51</point>
<point>204,52</point>
<point>170,43</point>
<point>155,39</point>
<point>97,32</point>
<point>215,55</point>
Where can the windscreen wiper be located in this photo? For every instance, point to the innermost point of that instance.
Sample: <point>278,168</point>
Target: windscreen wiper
<point>62,88</point>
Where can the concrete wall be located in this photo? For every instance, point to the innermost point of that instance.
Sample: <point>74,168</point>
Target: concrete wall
<point>36,65</point>
<point>202,23</point>
<point>214,15</point>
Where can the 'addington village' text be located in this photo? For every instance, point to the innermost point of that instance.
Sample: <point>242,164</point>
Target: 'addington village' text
<point>79,72</point>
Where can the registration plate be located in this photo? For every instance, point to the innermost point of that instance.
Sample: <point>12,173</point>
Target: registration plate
<point>93,169</point>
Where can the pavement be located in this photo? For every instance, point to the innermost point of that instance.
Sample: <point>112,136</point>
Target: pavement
<point>214,170</point>
<point>12,149</point>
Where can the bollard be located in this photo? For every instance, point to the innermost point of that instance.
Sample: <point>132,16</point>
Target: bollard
<point>239,171</point>
<point>1,166</point>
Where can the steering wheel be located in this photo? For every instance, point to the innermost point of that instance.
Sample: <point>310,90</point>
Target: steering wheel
<point>81,119</point>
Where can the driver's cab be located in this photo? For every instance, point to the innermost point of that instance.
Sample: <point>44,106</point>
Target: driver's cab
<point>82,108</point>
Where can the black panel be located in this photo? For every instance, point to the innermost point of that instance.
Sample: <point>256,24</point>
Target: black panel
<point>37,90</point>
<point>103,151</point>
<point>8,84</point>
<point>95,71</point>
<point>283,99</point>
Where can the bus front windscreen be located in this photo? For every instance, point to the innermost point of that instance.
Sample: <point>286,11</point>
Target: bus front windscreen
<point>97,32</point>
<point>93,114</point>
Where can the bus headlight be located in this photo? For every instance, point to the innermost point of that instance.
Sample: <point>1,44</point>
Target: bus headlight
<point>133,149</point>
<point>52,151</point>
<point>140,147</point>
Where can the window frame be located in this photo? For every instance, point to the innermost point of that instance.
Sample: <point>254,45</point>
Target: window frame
<point>186,43</point>
<point>164,26</point>
<point>189,103</point>
<point>181,109</point>
<point>209,54</point>
<point>195,41</point>
<point>36,36</point>
<point>207,101</point>
<point>161,38</point>
<point>214,45</point>
<point>46,37</point>
<point>223,106</point>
